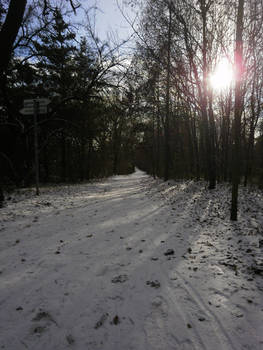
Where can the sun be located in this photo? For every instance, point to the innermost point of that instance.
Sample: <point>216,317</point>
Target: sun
<point>222,76</point>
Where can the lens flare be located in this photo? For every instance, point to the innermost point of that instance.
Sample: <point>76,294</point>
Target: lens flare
<point>223,75</point>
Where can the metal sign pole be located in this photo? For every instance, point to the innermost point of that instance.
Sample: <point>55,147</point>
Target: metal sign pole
<point>36,104</point>
<point>35,107</point>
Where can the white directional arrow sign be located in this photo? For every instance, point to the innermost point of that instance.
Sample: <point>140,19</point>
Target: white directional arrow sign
<point>30,110</point>
<point>43,101</point>
<point>29,103</point>
<point>27,111</point>
<point>41,104</point>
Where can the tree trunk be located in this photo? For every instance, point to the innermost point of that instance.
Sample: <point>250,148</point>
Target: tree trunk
<point>207,114</point>
<point>236,161</point>
<point>89,158</point>
<point>82,165</point>
<point>46,164</point>
<point>153,154</point>
<point>116,147</point>
<point>1,197</point>
<point>212,148</point>
<point>167,155</point>
<point>196,151</point>
<point>8,36</point>
<point>10,30</point>
<point>63,158</point>
<point>250,146</point>
<point>158,131</point>
<point>249,156</point>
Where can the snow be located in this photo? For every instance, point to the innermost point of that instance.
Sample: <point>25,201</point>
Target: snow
<point>131,263</point>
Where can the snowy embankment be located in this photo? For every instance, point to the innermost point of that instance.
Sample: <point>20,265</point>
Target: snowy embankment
<point>131,263</point>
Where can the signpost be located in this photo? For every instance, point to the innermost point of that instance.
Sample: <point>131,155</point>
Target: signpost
<point>29,106</point>
<point>35,107</point>
<point>30,110</point>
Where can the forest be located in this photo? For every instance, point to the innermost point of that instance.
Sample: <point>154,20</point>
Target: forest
<point>165,106</point>
<point>131,175</point>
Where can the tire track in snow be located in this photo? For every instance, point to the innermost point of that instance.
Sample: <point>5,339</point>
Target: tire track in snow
<point>215,324</point>
<point>161,328</point>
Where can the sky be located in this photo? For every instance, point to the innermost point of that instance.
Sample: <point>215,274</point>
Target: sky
<point>109,18</point>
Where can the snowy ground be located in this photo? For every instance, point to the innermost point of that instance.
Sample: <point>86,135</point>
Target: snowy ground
<point>131,263</point>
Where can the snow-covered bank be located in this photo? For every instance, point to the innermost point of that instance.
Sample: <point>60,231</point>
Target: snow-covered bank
<point>131,263</point>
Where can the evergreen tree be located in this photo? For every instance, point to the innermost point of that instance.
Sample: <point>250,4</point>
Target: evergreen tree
<point>55,48</point>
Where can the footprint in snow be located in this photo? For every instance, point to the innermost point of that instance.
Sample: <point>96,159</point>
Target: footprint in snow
<point>70,339</point>
<point>154,284</point>
<point>44,315</point>
<point>45,320</point>
<point>116,320</point>
<point>120,279</point>
<point>101,320</point>
<point>169,252</point>
<point>201,319</point>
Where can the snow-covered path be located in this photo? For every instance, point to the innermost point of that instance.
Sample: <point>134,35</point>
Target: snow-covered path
<point>115,266</point>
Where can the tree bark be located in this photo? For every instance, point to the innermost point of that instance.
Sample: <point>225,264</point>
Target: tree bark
<point>8,36</point>
<point>167,156</point>
<point>10,30</point>
<point>255,113</point>
<point>207,113</point>
<point>212,146</point>
<point>236,161</point>
<point>63,145</point>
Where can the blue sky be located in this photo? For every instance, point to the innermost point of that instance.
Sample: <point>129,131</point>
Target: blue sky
<point>109,18</point>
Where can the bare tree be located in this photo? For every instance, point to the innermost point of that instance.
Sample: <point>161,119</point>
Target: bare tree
<point>238,107</point>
